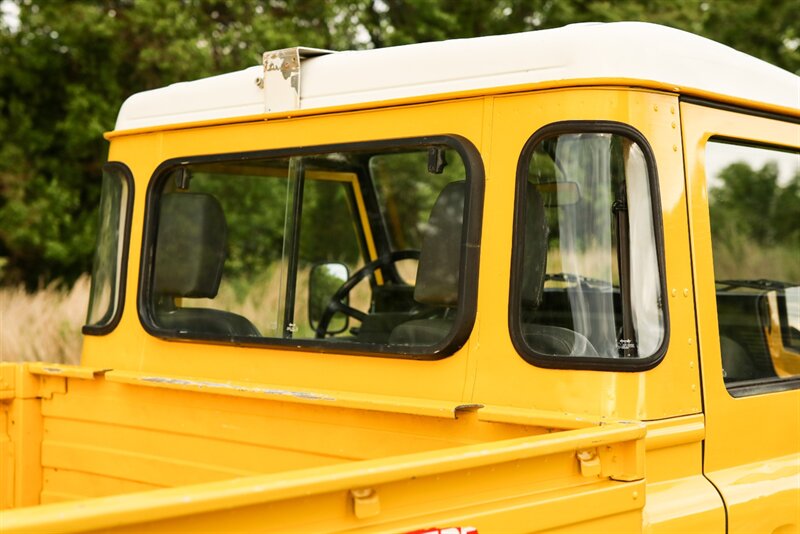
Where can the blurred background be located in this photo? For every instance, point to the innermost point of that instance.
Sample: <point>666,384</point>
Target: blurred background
<point>67,66</point>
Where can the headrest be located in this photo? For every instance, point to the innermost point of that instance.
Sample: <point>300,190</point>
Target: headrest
<point>535,247</point>
<point>190,245</point>
<point>440,256</point>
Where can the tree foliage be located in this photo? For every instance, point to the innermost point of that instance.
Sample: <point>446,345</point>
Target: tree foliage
<point>66,66</point>
<point>752,204</point>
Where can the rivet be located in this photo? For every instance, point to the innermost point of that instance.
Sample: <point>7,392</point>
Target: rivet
<point>655,107</point>
<point>673,124</point>
<point>674,291</point>
<point>635,495</point>
<point>690,341</point>
<point>685,291</point>
<point>694,388</point>
<point>691,365</point>
<point>674,148</point>
<point>672,109</point>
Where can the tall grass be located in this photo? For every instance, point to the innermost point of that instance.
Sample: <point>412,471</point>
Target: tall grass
<point>45,325</point>
<point>739,256</point>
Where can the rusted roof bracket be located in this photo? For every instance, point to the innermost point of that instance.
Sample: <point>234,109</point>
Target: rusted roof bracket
<point>281,82</point>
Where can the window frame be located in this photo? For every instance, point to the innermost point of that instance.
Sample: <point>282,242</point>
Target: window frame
<point>515,296</point>
<point>124,243</point>
<point>468,269</point>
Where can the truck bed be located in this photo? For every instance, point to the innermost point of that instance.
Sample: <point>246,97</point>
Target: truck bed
<point>89,449</point>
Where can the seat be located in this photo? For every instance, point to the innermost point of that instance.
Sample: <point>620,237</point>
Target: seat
<point>736,363</point>
<point>438,270</point>
<point>189,258</point>
<point>540,338</point>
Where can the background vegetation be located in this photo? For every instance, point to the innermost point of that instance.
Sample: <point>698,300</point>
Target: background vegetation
<point>66,66</point>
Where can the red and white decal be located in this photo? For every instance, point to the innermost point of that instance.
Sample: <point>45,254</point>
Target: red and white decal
<point>448,530</point>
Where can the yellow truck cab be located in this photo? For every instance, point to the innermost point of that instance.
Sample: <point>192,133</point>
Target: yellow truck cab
<point>537,282</point>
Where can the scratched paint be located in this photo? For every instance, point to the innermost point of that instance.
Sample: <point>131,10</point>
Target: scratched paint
<point>235,387</point>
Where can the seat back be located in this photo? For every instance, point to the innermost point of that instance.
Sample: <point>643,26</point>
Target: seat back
<point>438,269</point>
<point>189,259</point>
<point>543,338</point>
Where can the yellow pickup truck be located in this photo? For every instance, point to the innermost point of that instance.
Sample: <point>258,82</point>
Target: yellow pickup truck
<point>537,282</point>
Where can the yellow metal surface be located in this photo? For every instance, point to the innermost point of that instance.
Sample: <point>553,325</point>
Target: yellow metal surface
<point>486,375</point>
<point>180,436</point>
<point>502,377</point>
<point>752,447</point>
<point>785,361</point>
<point>679,498</point>
<point>128,349</point>
<point>21,435</point>
<point>339,399</point>
<point>510,477</point>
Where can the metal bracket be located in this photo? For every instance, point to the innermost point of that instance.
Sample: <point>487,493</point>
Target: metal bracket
<point>365,503</point>
<point>52,384</point>
<point>281,81</point>
<point>589,463</point>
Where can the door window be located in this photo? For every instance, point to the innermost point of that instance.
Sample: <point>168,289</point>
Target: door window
<point>754,202</point>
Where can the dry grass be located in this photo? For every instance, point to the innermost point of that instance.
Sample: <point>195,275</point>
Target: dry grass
<point>45,325</point>
<point>744,258</point>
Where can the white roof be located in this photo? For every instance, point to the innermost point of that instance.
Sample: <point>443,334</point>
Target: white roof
<point>575,54</point>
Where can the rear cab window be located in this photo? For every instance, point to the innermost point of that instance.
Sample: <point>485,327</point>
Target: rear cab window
<point>358,247</point>
<point>587,280</point>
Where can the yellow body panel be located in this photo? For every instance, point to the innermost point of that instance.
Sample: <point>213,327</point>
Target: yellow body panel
<point>785,360</point>
<point>104,435</point>
<point>752,447</point>
<point>150,434</point>
<point>502,377</point>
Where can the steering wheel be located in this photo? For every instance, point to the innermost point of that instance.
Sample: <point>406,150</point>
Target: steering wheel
<point>337,301</point>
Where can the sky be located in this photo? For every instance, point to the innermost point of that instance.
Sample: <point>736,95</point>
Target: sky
<point>720,155</point>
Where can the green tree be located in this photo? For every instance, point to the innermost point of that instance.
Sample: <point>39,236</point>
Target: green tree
<point>64,72</point>
<point>67,66</point>
<point>754,223</point>
<point>750,202</point>
<point>764,28</point>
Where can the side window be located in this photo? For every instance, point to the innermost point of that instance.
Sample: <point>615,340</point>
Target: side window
<point>754,202</point>
<point>586,284</point>
<point>282,250</point>
<point>108,272</point>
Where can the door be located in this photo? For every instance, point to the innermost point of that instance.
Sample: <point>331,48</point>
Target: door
<point>743,179</point>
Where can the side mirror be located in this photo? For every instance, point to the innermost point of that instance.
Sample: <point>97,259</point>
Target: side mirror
<point>325,279</point>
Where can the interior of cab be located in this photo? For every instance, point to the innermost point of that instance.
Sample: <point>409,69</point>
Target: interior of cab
<point>586,280</point>
<point>368,249</point>
<point>350,247</point>
<point>758,328</point>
